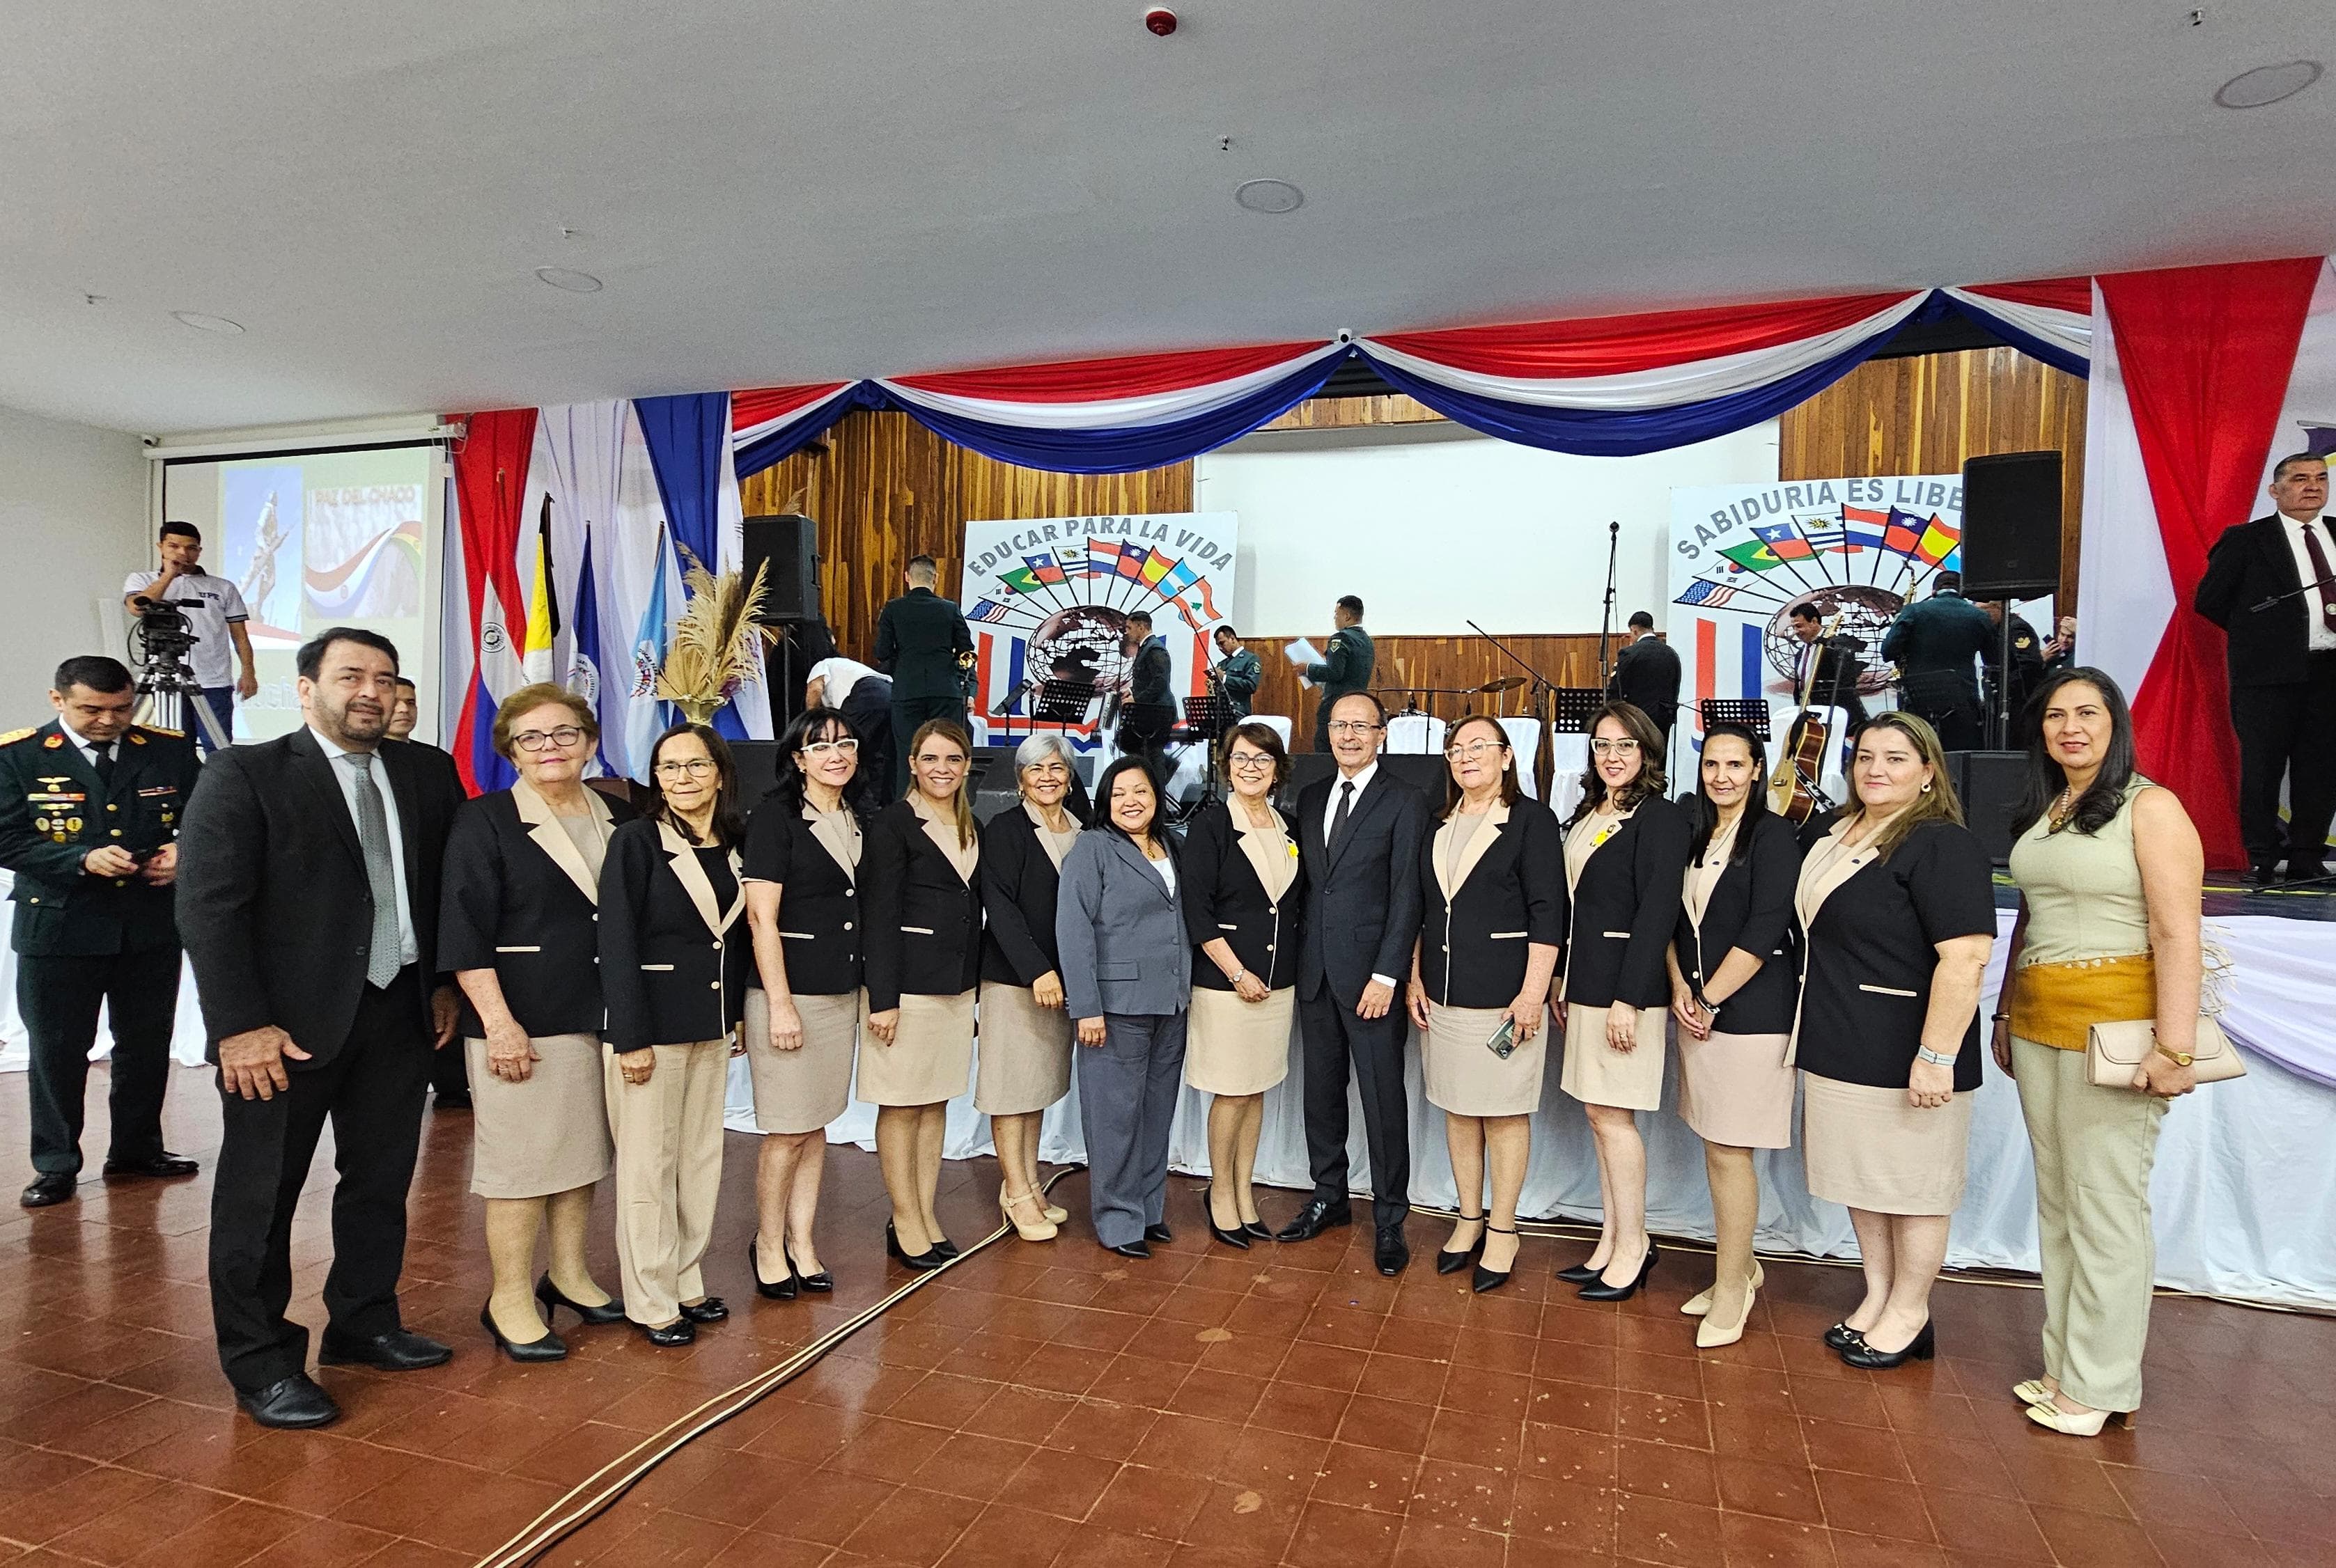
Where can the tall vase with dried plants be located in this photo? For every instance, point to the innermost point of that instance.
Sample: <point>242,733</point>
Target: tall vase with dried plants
<point>713,650</point>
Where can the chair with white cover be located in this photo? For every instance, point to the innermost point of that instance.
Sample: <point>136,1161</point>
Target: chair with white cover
<point>1275,722</point>
<point>1569,757</point>
<point>1523,732</point>
<point>1415,735</point>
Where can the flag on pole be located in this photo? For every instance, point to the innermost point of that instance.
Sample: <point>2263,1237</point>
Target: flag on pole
<point>1179,577</point>
<point>1046,570</point>
<point>991,610</point>
<point>644,715</point>
<point>1156,567</point>
<point>1939,543</point>
<point>543,618</point>
<point>1756,557</point>
<point>1103,558</point>
<point>1020,580</point>
<point>1864,530</point>
<point>1902,533</point>
<point>584,663</point>
<point>1709,595</point>
<point>1783,541</point>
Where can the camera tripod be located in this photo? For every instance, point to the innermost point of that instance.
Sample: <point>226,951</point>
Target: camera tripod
<point>167,692</point>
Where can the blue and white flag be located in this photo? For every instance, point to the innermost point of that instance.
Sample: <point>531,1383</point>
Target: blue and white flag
<point>644,715</point>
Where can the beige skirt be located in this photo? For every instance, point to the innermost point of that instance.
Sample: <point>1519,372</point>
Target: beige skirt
<point>1462,1077</point>
<point>1236,1047</point>
<point>1595,1073</point>
<point>930,1059</point>
<point>1737,1088</point>
<point>1866,1148</point>
<point>549,1135</point>
<point>1026,1052</point>
<point>803,1090</point>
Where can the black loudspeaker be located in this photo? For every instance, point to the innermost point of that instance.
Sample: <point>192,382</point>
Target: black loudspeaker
<point>1425,773</point>
<point>1989,784</point>
<point>790,544</point>
<point>2012,525</point>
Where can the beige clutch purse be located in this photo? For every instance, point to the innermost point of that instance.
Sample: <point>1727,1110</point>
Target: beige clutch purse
<point>2113,1051</point>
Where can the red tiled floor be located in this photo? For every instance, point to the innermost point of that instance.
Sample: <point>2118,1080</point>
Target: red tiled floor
<point>1056,1406</point>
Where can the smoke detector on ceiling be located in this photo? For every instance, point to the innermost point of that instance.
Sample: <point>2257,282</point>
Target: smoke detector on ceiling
<point>1269,196</point>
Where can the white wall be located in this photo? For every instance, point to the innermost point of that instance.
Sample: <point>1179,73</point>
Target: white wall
<point>72,524</point>
<point>1436,526</point>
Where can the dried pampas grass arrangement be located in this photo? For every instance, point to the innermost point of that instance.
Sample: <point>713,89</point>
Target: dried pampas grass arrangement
<point>713,646</point>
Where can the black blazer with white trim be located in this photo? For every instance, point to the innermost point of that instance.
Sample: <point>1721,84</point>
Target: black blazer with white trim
<point>674,966</point>
<point>1223,897</point>
<point>1472,947</point>
<point>1018,887</point>
<point>1626,906</point>
<point>924,921</point>
<point>1751,908</point>
<point>517,898</point>
<point>821,927</point>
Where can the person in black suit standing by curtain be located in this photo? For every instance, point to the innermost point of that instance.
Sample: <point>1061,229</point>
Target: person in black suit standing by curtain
<point>1361,857</point>
<point>1151,710</point>
<point>2283,661</point>
<point>1646,675</point>
<point>920,637</point>
<point>309,898</point>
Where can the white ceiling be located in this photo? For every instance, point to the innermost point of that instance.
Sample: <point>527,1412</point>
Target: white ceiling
<point>816,188</point>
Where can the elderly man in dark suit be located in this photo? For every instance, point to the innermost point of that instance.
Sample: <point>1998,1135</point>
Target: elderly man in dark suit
<point>309,891</point>
<point>2282,657</point>
<point>919,639</point>
<point>1359,833</point>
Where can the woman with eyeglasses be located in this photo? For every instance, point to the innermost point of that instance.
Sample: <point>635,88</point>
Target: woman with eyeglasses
<point>1244,891</point>
<point>1626,852</point>
<point>517,926</point>
<point>802,869</point>
<point>1025,1060</point>
<point>676,962</point>
<point>1734,983</point>
<point>921,886</point>
<point>1492,882</point>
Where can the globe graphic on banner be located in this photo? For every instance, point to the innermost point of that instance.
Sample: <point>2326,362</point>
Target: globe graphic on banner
<point>1865,613</point>
<point>1080,644</point>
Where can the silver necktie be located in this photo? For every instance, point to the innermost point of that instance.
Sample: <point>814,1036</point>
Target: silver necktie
<point>372,836</point>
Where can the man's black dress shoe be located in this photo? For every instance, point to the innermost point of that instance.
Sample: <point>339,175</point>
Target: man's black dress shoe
<point>164,1163</point>
<point>1318,1215</point>
<point>2262,874</point>
<point>2309,871</point>
<point>680,1332</point>
<point>1129,1249</point>
<point>397,1351</point>
<point>49,1187</point>
<point>551,1296</point>
<point>296,1401</point>
<point>711,1309</point>
<point>1159,1233</point>
<point>1391,1251</point>
<point>550,1347</point>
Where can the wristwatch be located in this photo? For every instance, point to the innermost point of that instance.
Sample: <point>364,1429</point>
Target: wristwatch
<point>2178,1057</point>
<point>1932,1056</point>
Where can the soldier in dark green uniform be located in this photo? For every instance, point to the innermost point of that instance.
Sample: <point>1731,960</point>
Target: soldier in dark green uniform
<point>920,640</point>
<point>1935,645</point>
<point>89,806</point>
<point>1346,665</point>
<point>1238,677</point>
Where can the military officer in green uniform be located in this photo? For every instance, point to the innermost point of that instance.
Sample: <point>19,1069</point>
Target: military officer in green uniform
<point>1935,645</point>
<point>89,806</point>
<point>1346,665</point>
<point>921,642</point>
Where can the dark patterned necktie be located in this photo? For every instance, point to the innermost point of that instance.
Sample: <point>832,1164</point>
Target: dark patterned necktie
<point>1345,804</point>
<point>383,963</point>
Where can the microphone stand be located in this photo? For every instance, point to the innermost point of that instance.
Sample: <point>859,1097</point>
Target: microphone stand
<point>1606,617</point>
<point>1544,763</point>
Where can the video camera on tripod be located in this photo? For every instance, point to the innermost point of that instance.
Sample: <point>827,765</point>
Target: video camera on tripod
<point>167,690</point>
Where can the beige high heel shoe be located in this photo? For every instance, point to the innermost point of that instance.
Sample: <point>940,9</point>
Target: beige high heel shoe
<point>2051,1416</point>
<point>1699,1303</point>
<point>1043,1231</point>
<point>2034,1391</point>
<point>1711,1333</point>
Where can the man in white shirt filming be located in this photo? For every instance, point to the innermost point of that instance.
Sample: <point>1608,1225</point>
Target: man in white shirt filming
<point>214,612</point>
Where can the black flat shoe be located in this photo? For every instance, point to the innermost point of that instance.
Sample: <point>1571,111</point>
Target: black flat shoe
<point>550,1348</point>
<point>1320,1215</point>
<point>1256,1231</point>
<point>54,1187</point>
<point>818,1285</point>
<point>1452,1262</point>
<point>395,1351</point>
<point>1485,1279</point>
<point>1923,1346</point>
<point>928,1259</point>
<point>294,1402</point>
<point>680,1332</point>
<point>1841,1337</point>
<point>1580,1275</point>
<point>711,1309</point>
<point>1159,1233</point>
<point>162,1165</point>
<point>1129,1249</point>
<point>785,1290</point>
<point>553,1296</point>
<point>1231,1238</point>
<point>1602,1292</point>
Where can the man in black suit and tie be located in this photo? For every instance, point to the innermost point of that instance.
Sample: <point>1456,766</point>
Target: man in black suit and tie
<point>1647,674</point>
<point>2283,661</point>
<point>308,879</point>
<point>1359,832</point>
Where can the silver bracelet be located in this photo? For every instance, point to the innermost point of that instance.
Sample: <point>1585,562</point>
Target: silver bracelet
<point>1925,1053</point>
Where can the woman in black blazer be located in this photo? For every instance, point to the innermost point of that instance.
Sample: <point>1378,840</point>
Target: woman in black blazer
<point>518,927</point>
<point>674,965</point>
<point>1492,882</point>
<point>1734,983</point>
<point>802,869</point>
<point>1244,888</point>
<point>921,886</point>
<point>1026,1035</point>
<point>1625,852</point>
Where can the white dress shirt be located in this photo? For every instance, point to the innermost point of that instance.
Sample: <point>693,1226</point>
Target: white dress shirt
<point>88,747</point>
<point>2318,637</point>
<point>344,773</point>
<point>1361,781</point>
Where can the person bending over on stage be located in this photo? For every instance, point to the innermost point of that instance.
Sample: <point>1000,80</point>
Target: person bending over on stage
<point>923,898</point>
<point>519,925</point>
<point>1626,852</point>
<point>1898,903</point>
<point>1127,976</point>
<point>2108,868</point>
<point>1492,882</point>
<point>1735,980</point>
<point>1026,1035</point>
<point>1244,888</point>
<point>676,962</point>
<point>802,867</point>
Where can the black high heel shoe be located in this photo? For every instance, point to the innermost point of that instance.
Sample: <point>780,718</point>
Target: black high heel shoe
<point>945,1248</point>
<point>1580,1275</point>
<point>1921,1347</point>
<point>818,1285</point>
<point>1841,1337</point>
<point>1451,1263</point>
<point>1485,1279</point>
<point>711,1310</point>
<point>928,1259</point>
<point>550,1348</point>
<point>1256,1231</point>
<point>1600,1290</point>
<point>1233,1238</point>
<point>680,1332</point>
<point>551,1296</point>
<point>785,1290</point>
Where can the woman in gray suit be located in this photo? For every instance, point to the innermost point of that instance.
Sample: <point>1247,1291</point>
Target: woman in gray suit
<point>1127,978</point>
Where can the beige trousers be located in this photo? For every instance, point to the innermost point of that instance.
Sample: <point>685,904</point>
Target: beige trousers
<point>2094,1149</point>
<point>669,1137</point>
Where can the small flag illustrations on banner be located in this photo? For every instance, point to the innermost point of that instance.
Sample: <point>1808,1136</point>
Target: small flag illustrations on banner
<point>1157,567</point>
<point>1103,558</point>
<point>1708,594</point>
<point>991,610</point>
<point>1178,578</point>
<point>1783,541</point>
<point>1864,530</point>
<point>1902,532</point>
<point>1019,580</point>
<point>1939,542</point>
<point>1751,557</point>
<point>1044,569</point>
<point>1827,535</point>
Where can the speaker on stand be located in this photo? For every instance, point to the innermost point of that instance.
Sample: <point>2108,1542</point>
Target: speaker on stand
<point>785,548</point>
<point>2010,549</point>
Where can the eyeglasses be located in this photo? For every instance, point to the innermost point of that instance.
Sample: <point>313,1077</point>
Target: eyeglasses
<point>1474,749</point>
<point>1353,727</point>
<point>696,767</point>
<point>540,739</point>
<point>821,748</point>
<point>1605,748</point>
<point>1248,761</point>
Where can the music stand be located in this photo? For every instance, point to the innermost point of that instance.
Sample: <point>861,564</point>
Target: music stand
<point>1570,708</point>
<point>1063,702</point>
<point>1752,715</point>
<point>1204,719</point>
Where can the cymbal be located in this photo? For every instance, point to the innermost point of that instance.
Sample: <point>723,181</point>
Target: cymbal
<point>1502,683</point>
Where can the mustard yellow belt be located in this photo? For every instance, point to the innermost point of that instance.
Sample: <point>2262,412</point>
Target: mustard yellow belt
<point>2057,1005</point>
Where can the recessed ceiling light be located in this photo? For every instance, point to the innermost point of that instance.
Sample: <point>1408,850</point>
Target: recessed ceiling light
<point>2267,84</point>
<point>1269,196</point>
<point>202,323</point>
<point>568,278</point>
